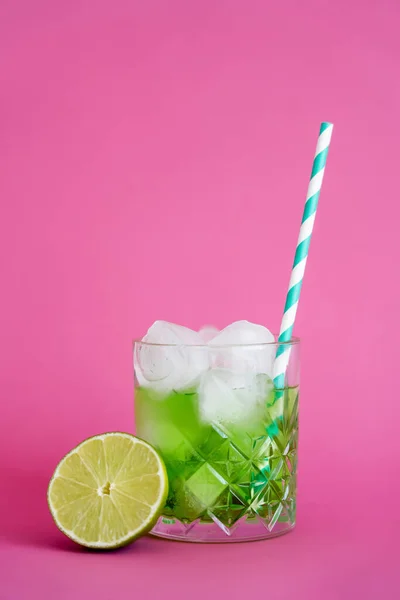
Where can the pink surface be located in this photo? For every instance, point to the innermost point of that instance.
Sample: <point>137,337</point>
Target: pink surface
<point>154,160</point>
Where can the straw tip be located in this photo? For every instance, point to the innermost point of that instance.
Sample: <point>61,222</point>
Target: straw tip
<point>325,125</point>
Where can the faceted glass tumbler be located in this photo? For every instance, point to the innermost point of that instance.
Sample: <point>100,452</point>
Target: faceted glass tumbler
<point>227,435</point>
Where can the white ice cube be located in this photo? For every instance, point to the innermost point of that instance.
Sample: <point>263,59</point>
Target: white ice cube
<point>226,396</point>
<point>172,357</point>
<point>240,347</point>
<point>208,332</point>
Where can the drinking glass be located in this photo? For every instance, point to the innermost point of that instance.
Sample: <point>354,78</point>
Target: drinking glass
<point>228,437</point>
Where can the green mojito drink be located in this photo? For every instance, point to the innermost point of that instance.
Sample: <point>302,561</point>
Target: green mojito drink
<point>228,438</point>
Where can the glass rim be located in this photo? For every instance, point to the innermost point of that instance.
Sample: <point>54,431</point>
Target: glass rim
<point>294,341</point>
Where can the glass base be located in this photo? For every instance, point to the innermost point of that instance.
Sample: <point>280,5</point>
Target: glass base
<point>245,530</point>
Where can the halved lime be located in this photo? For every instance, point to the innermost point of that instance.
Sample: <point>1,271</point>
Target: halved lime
<point>108,491</point>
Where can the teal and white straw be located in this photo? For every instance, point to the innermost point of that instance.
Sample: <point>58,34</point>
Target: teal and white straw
<point>300,259</point>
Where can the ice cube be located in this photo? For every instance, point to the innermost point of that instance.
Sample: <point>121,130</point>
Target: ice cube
<point>208,332</point>
<point>173,357</point>
<point>226,396</point>
<point>240,347</point>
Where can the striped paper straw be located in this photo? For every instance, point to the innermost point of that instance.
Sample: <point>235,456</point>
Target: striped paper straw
<point>300,259</point>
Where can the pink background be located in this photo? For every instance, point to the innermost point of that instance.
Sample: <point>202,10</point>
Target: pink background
<point>154,160</point>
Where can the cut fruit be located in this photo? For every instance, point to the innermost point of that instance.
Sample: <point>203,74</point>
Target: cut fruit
<point>108,491</point>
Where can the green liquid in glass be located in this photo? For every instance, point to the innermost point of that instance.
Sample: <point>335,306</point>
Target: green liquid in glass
<point>223,471</point>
